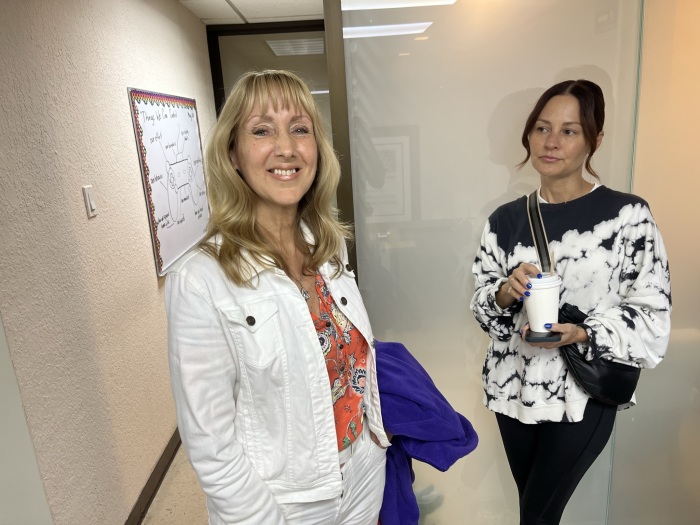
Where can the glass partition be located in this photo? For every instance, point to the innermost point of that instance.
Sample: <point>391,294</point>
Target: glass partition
<point>435,122</point>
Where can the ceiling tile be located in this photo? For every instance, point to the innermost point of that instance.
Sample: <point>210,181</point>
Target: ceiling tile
<point>257,11</point>
<point>213,11</point>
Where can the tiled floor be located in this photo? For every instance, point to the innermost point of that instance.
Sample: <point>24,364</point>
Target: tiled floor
<point>180,500</point>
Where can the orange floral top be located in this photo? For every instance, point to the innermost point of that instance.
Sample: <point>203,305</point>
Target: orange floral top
<point>345,351</point>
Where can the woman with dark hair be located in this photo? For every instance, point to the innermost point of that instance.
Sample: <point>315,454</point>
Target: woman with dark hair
<point>271,351</point>
<point>610,257</point>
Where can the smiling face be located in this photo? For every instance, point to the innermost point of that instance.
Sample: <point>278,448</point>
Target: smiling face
<point>276,154</point>
<point>557,142</point>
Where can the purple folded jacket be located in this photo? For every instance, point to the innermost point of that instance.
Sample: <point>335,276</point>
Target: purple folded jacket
<point>424,427</point>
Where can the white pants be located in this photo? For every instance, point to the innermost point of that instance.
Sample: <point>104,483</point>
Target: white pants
<point>363,490</point>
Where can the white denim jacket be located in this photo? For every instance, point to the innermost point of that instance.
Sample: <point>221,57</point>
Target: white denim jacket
<point>251,388</point>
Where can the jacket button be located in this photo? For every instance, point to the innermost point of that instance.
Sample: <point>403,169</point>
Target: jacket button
<point>348,267</point>
<point>343,301</point>
<point>328,324</point>
<point>250,320</point>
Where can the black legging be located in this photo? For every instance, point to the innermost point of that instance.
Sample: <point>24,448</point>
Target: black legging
<point>548,460</point>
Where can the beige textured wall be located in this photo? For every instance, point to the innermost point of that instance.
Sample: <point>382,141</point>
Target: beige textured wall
<point>667,165</point>
<point>656,468</point>
<point>80,300</point>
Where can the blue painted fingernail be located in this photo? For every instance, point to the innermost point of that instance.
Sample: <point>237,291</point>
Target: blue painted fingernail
<point>539,276</point>
<point>528,285</point>
<point>522,298</point>
<point>520,331</point>
<point>527,293</point>
<point>548,325</point>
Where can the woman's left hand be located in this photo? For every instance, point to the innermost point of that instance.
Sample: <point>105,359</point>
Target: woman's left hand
<point>376,441</point>
<point>570,334</point>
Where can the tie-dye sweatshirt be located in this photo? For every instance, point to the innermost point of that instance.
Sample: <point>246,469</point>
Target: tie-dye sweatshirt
<point>612,262</point>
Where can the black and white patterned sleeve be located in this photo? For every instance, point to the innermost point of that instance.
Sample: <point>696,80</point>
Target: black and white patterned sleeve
<point>638,328</point>
<point>489,274</point>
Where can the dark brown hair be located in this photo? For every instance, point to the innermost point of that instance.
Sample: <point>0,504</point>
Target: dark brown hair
<point>592,108</point>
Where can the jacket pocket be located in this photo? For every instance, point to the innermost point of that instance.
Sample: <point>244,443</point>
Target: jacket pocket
<point>255,327</point>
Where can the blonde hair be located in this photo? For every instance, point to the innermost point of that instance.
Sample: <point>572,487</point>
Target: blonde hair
<point>232,202</point>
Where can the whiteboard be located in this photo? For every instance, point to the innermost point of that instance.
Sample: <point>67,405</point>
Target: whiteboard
<point>170,153</point>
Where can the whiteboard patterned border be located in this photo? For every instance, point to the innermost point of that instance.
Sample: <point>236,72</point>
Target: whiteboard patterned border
<point>138,97</point>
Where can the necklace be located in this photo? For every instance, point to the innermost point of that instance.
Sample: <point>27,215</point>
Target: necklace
<point>304,293</point>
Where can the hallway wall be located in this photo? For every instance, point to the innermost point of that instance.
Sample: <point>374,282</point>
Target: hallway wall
<point>80,300</point>
<point>667,162</point>
<point>659,436</point>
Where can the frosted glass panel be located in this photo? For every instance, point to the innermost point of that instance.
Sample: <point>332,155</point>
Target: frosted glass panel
<point>435,122</point>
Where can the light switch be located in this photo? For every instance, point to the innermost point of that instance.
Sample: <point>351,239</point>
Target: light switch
<point>90,205</point>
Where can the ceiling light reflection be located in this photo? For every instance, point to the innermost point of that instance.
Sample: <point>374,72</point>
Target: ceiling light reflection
<point>356,5</point>
<point>386,30</point>
<point>297,46</point>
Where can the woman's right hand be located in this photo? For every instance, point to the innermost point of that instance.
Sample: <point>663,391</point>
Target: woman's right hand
<point>517,287</point>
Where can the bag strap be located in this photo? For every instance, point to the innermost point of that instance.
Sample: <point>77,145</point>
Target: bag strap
<point>539,235</point>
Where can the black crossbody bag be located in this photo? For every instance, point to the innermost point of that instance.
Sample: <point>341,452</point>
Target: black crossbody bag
<point>604,380</point>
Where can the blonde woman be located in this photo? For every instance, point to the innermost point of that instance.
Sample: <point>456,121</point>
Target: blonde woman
<point>270,348</point>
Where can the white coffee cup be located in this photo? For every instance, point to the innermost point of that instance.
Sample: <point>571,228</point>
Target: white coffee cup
<point>542,305</point>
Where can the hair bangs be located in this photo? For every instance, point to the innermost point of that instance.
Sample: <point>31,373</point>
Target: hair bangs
<point>233,237</point>
<point>280,92</point>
